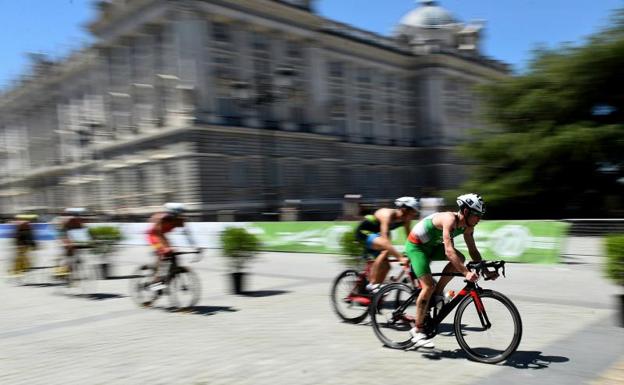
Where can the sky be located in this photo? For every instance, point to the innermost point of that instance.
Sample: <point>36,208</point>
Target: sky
<point>513,27</point>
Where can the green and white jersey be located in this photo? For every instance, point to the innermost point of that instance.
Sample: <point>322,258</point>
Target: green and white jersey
<point>426,234</point>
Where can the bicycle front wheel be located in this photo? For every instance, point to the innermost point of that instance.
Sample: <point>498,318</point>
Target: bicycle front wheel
<point>488,328</point>
<point>392,315</point>
<point>348,297</point>
<point>184,288</point>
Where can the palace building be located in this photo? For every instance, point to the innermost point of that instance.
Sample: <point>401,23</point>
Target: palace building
<point>242,110</point>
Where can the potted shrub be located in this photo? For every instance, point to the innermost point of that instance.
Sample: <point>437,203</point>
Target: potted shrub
<point>239,247</point>
<point>105,243</point>
<point>614,267</point>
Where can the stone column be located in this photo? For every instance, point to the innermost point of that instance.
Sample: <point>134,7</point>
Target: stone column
<point>434,107</point>
<point>317,79</point>
<point>241,40</point>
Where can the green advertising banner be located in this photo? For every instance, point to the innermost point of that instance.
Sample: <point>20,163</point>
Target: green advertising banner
<point>513,241</point>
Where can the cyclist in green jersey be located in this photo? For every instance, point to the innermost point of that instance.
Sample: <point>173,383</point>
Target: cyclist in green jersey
<point>432,238</point>
<point>374,233</point>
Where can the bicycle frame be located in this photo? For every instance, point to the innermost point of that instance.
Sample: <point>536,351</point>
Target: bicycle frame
<point>431,324</point>
<point>364,276</point>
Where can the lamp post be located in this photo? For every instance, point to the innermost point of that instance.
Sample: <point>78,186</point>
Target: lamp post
<point>261,95</point>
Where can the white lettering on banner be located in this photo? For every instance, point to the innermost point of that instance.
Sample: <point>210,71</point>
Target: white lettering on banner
<point>509,241</point>
<point>329,238</point>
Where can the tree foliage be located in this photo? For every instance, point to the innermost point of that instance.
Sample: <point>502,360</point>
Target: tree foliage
<point>555,141</point>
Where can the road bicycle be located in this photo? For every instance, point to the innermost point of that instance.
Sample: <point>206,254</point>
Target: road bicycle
<point>349,297</point>
<point>487,325</point>
<point>20,265</point>
<point>181,284</point>
<point>79,272</point>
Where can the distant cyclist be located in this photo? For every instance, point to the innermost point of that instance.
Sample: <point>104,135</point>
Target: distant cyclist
<point>68,225</point>
<point>24,241</point>
<point>432,238</point>
<point>163,223</point>
<point>374,233</point>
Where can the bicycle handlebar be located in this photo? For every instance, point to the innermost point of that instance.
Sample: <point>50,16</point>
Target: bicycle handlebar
<point>482,266</point>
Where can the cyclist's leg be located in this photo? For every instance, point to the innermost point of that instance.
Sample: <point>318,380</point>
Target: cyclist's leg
<point>381,266</point>
<point>449,268</point>
<point>69,260</point>
<point>23,262</point>
<point>159,254</point>
<point>18,262</point>
<point>419,261</point>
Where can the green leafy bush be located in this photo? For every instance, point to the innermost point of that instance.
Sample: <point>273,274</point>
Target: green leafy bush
<point>615,258</point>
<point>239,246</point>
<point>352,249</point>
<point>105,238</point>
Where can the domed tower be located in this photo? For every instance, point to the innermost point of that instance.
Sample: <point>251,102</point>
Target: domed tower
<point>431,27</point>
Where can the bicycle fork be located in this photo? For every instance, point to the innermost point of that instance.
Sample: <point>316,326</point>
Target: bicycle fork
<point>485,321</point>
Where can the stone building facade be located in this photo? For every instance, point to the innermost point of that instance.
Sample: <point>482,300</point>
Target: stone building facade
<point>241,109</point>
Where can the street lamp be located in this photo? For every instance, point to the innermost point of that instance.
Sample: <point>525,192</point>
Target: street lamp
<point>261,95</point>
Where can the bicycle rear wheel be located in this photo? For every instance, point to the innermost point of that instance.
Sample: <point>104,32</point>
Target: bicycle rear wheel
<point>184,288</point>
<point>392,315</point>
<point>488,344</point>
<point>349,299</point>
<point>139,286</point>
<point>82,277</point>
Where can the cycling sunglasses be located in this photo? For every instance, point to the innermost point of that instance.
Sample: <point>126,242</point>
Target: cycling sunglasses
<point>476,213</point>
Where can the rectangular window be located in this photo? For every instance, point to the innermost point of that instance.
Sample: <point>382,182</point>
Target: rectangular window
<point>336,69</point>
<point>238,173</point>
<point>364,75</point>
<point>220,32</point>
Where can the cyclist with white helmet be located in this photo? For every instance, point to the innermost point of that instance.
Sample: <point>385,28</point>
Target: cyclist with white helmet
<point>374,233</point>
<point>71,232</point>
<point>162,223</point>
<point>432,238</point>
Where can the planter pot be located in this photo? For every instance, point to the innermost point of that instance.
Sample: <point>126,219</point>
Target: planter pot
<point>620,303</point>
<point>105,270</point>
<point>238,280</point>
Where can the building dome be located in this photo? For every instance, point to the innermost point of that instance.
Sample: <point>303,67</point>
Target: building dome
<point>429,15</point>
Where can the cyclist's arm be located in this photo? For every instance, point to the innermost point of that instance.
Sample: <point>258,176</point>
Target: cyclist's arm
<point>384,232</point>
<point>64,237</point>
<point>449,245</point>
<point>187,234</point>
<point>407,225</point>
<point>472,247</point>
<point>474,252</point>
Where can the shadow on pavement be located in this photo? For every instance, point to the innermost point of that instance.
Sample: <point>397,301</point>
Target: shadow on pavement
<point>518,360</point>
<point>45,284</point>
<point>124,277</point>
<point>532,360</point>
<point>98,296</point>
<point>263,293</point>
<point>208,310</point>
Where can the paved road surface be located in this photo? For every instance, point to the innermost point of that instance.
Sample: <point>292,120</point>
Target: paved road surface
<point>284,331</point>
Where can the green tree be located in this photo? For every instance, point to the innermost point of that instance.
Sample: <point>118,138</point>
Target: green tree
<point>555,141</point>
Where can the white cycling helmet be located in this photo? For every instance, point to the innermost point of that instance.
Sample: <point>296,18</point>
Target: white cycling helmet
<point>175,208</point>
<point>409,202</point>
<point>472,201</point>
